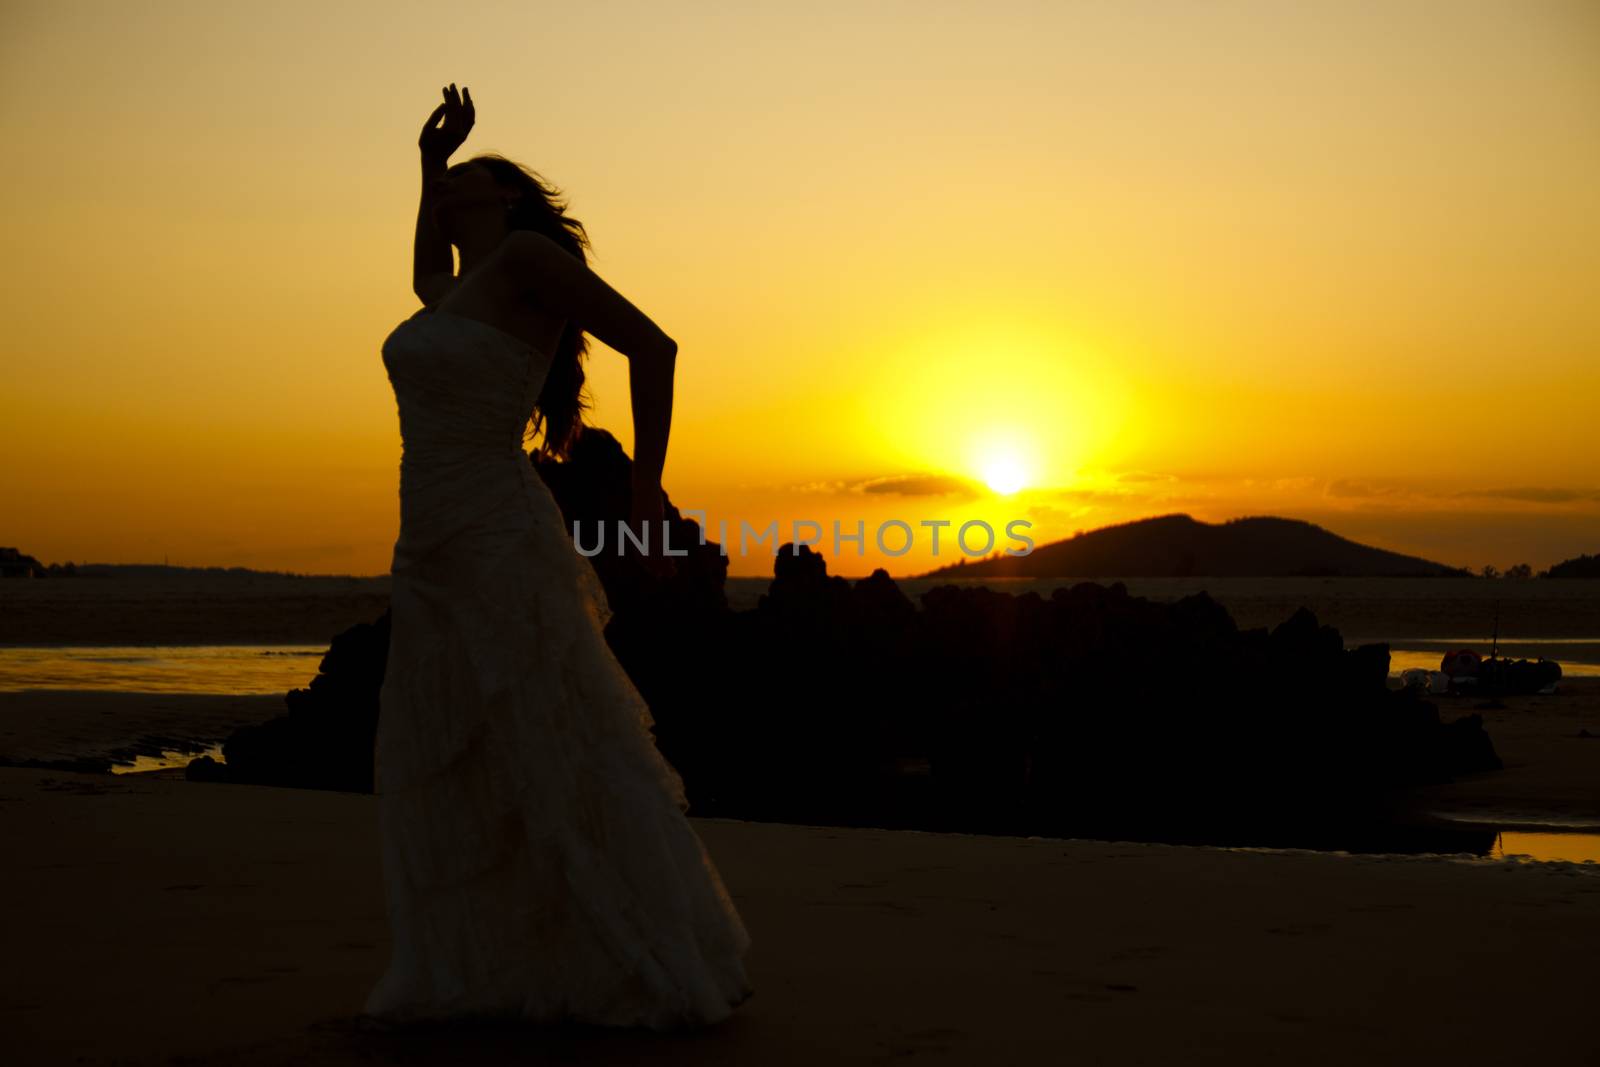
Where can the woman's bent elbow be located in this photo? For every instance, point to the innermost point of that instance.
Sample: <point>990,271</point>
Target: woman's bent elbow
<point>665,352</point>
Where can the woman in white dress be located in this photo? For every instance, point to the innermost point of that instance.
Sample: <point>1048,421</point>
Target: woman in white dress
<point>538,863</point>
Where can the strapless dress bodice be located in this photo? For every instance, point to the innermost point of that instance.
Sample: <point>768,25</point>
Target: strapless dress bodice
<point>464,390</point>
<point>463,386</point>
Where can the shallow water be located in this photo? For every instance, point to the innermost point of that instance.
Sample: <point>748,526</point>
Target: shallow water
<point>234,669</point>
<point>170,759</point>
<point>1547,846</point>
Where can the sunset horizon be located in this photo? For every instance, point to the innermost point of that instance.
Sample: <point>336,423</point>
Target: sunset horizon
<point>763,544</point>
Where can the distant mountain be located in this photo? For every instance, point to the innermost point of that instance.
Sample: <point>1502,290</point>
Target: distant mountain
<point>1179,546</point>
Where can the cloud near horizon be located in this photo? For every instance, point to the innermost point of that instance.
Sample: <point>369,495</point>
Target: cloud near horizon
<point>1374,489</point>
<point>1533,493</point>
<point>919,485</point>
<point>896,485</point>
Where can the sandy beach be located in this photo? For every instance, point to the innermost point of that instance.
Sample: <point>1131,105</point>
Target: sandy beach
<point>169,921</point>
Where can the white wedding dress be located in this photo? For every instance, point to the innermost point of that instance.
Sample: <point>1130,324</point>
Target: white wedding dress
<point>537,860</point>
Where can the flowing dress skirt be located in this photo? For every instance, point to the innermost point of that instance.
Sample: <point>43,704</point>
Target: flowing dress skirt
<point>538,862</point>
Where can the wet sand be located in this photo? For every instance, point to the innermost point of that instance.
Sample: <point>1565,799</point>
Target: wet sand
<point>155,921</point>
<point>78,724</point>
<point>1550,745</point>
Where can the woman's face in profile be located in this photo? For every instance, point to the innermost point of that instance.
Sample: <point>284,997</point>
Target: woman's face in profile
<point>464,189</point>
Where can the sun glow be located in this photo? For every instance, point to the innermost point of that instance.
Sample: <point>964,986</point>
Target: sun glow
<point>1004,461</point>
<point>1035,408</point>
<point>1004,472</point>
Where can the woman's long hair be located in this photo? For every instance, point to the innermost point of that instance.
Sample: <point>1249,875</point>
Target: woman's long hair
<point>561,403</point>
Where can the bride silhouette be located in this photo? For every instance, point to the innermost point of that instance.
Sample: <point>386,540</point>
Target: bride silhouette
<point>538,862</point>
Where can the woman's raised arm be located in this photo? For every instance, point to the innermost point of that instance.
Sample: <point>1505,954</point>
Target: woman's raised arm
<point>433,267</point>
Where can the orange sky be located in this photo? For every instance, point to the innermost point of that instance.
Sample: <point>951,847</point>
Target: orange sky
<point>1329,261</point>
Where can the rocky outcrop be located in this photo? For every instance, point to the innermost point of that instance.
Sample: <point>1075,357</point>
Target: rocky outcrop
<point>1090,712</point>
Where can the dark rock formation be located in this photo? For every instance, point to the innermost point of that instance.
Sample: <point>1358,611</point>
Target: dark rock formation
<point>1090,713</point>
<point>1496,676</point>
<point>593,489</point>
<point>325,740</point>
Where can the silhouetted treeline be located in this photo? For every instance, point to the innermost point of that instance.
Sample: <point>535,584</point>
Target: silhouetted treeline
<point>1088,713</point>
<point>14,563</point>
<point>1584,566</point>
<point>173,570</point>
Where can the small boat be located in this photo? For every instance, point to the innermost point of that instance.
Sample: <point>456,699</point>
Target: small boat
<point>1518,675</point>
<point>1462,670</point>
<point>1465,671</point>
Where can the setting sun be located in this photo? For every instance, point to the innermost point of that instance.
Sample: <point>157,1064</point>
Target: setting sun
<point>1005,473</point>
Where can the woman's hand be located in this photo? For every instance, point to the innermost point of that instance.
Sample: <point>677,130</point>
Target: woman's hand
<point>647,517</point>
<point>438,143</point>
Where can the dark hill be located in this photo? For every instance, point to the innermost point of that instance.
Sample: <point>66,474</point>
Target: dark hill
<point>1585,566</point>
<point>1179,546</point>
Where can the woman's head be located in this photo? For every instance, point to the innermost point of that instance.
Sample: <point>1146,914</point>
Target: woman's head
<point>489,187</point>
<point>467,195</point>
